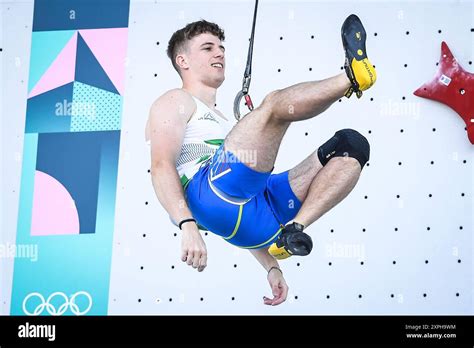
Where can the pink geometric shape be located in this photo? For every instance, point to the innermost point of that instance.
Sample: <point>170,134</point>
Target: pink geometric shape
<point>54,210</point>
<point>61,71</point>
<point>110,48</point>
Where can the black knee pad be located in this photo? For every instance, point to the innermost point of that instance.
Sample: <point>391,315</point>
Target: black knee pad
<point>345,143</point>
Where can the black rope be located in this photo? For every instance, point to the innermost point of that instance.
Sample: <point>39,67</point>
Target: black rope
<point>248,68</point>
<point>247,74</point>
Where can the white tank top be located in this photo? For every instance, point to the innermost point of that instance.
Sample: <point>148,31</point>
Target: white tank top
<point>204,133</point>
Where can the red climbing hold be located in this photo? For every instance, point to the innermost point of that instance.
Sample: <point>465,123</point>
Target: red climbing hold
<point>454,87</point>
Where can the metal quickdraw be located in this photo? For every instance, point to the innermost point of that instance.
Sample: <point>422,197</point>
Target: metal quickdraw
<point>247,75</point>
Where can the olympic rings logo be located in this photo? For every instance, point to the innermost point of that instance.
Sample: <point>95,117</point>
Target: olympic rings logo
<point>68,303</point>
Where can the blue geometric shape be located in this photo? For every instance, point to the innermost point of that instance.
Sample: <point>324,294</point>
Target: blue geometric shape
<point>89,70</point>
<point>98,110</point>
<point>74,160</point>
<point>45,47</point>
<point>80,14</point>
<point>68,263</point>
<point>48,112</point>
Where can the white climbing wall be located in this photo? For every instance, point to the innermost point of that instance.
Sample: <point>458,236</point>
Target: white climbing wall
<point>401,243</point>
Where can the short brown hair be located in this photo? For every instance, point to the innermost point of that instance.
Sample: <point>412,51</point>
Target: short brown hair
<point>179,38</point>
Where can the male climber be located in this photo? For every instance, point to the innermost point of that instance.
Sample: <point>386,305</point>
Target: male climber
<point>209,174</point>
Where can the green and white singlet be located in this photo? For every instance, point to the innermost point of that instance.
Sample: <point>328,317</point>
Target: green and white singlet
<point>204,133</point>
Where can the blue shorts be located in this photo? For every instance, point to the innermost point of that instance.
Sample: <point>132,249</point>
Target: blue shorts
<point>245,207</point>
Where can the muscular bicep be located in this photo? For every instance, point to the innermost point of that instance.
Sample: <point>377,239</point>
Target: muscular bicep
<point>166,136</point>
<point>166,126</point>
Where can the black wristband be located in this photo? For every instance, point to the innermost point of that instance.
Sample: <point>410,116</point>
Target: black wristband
<point>185,220</point>
<point>274,267</point>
